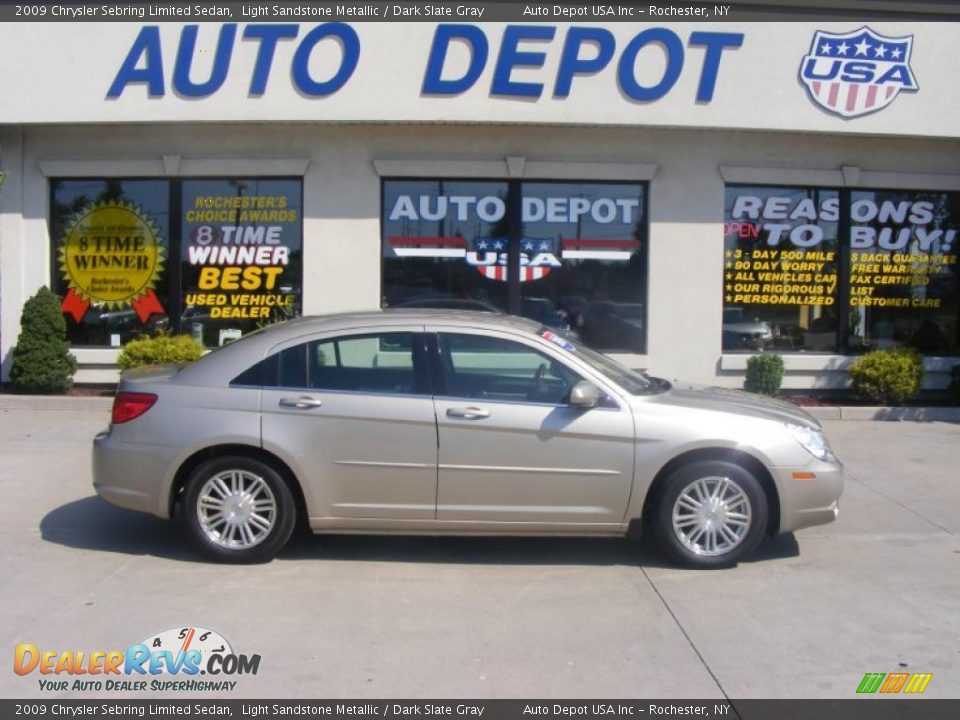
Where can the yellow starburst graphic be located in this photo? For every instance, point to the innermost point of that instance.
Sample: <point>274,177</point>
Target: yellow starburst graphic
<point>111,254</point>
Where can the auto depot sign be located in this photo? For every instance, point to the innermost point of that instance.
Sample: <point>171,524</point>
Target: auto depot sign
<point>724,75</point>
<point>144,62</point>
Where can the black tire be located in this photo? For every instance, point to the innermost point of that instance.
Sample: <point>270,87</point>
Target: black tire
<point>692,554</point>
<point>261,547</point>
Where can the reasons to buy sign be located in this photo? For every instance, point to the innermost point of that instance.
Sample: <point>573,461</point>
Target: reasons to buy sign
<point>787,258</point>
<point>111,255</point>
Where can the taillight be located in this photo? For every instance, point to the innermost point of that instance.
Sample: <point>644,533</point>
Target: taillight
<point>130,405</point>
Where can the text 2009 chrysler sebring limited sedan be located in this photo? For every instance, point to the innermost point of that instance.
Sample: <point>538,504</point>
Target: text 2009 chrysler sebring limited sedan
<point>427,421</point>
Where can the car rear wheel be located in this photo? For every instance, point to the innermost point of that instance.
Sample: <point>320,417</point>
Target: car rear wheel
<point>710,514</point>
<point>238,509</point>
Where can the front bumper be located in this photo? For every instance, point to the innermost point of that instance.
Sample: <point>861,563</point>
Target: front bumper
<point>132,476</point>
<point>806,501</point>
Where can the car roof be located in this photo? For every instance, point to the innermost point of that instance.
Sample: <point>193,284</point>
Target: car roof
<point>221,366</point>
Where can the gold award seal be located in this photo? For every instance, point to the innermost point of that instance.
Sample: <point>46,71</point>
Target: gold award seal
<point>111,254</point>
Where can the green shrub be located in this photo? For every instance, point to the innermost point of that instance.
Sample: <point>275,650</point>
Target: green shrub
<point>764,374</point>
<point>955,384</point>
<point>889,377</point>
<point>42,362</point>
<point>159,350</point>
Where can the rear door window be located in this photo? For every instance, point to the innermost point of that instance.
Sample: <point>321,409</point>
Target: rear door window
<point>391,363</point>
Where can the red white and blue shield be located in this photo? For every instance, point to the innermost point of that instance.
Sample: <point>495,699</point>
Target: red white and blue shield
<point>489,255</point>
<point>857,73</point>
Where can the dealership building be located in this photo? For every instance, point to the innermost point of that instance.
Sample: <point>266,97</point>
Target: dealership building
<point>679,194</point>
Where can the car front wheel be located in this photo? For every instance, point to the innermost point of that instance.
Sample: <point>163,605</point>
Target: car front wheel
<point>238,509</point>
<point>710,514</point>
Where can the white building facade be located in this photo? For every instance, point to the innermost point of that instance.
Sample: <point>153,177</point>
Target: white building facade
<point>681,195</point>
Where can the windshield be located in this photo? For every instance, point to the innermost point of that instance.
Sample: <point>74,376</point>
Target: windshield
<point>630,380</point>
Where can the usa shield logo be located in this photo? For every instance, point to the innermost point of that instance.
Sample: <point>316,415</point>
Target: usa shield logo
<point>857,73</point>
<point>537,257</point>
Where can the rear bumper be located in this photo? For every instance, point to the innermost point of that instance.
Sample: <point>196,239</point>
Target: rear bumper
<point>132,476</point>
<point>807,501</point>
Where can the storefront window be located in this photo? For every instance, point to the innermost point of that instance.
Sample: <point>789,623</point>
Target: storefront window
<point>111,257</point>
<point>595,277</point>
<point>780,269</point>
<point>785,287</point>
<point>215,258</point>
<point>580,247</point>
<point>433,233</point>
<point>240,256</point>
<point>903,271</point>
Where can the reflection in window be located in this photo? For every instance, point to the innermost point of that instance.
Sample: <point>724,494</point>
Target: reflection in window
<point>903,271</point>
<point>240,254</point>
<point>780,269</point>
<point>581,250</point>
<point>111,257</point>
<point>490,368</point>
<point>785,289</point>
<point>431,231</point>
<point>595,232</point>
<point>367,363</point>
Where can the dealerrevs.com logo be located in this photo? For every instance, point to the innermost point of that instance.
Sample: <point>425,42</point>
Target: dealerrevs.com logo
<point>170,661</point>
<point>856,73</point>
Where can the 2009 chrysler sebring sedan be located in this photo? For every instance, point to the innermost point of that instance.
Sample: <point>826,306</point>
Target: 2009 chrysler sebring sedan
<point>429,421</point>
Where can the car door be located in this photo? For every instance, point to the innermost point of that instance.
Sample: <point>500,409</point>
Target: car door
<point>354,415</point>
<point>511,450</point>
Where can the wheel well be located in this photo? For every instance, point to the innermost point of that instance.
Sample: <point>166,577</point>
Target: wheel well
<point>255,453</point>
<point>737,457</point>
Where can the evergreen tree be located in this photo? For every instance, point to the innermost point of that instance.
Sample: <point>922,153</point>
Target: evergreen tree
<point>42,362</point>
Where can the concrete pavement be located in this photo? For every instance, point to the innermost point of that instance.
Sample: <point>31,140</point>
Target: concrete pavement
<point>379,617</point>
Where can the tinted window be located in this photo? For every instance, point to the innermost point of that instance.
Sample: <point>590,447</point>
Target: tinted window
<point>240,256</point>
<point>110,245</point>
<point>287,368</point>
<point>578,245</point>
<point>780,269</point>
<point>820,269</point>
<point>381,363</point>
<point>366,363</point>
<point>904,275</point>
<point>489,368</point>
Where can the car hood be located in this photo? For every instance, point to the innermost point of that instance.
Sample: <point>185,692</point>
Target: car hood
<point>736,402</point>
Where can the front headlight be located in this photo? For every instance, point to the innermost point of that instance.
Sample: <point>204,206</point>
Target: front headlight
<point>813,440</point>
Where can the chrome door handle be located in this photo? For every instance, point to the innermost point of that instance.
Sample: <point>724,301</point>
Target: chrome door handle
<point>468,413</point>
<point>300,403</point>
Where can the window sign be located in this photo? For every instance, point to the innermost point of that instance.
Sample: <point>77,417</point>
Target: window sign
<point>111,255</point>
<point>437,238</point>
<point>780,269</point>
<point>123,269</point>
<point>786,288</point>
<point>903,270</point>
<point>580,253</point>
<point>240,255</point>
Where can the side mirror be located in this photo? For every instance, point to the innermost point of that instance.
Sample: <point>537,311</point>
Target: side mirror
<point>584,395</point>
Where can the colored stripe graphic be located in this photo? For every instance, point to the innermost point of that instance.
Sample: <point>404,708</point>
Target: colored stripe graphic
<point>871,682</point>
<point>918,682</point>
<point>894,682</point>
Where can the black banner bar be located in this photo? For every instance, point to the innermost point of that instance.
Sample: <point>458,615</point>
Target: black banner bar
<point>267,11</point>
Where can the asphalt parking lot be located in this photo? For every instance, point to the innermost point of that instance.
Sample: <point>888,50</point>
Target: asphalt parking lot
<point>381,617</point>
